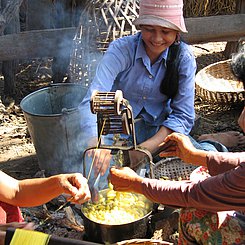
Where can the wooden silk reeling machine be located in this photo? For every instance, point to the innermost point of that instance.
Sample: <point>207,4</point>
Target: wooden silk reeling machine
<point>115,116</point>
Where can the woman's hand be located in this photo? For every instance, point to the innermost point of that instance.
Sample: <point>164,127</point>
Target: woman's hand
<point>75,185</point>
<point>101,160</point>
<point>184,149</point>
<point>125,179</point>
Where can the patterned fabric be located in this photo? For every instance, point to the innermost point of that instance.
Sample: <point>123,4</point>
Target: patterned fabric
<point>202,227</point>
<point>9,213</point>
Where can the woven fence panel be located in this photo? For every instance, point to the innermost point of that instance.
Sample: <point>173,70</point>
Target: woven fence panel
<point>103,21</point>
<point>100,23</point>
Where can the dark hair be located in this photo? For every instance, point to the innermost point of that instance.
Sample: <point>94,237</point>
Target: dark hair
<point>170,83</point>
<point>238,65</point>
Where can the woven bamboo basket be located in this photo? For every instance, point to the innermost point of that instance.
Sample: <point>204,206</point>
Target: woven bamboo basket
<point>217,84</point>
<point>100,23</point>
<point>172,168</point>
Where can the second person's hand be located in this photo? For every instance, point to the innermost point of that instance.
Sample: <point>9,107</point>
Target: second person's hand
<point>125,179</point>
<point>184,149</point>
<point>100,158</point>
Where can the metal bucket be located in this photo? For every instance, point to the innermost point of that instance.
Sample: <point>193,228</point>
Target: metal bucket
<point>54,122</point>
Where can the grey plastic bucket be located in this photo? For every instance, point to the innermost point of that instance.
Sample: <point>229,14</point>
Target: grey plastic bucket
<point>54,122</point>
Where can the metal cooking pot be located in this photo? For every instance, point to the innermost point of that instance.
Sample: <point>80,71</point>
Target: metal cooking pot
<point>103,233</point>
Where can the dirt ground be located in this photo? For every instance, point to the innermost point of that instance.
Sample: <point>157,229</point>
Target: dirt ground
<point>17,153</point>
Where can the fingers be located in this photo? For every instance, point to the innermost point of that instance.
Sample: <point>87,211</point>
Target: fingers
<point>124,179</point>
<point>169,153</point>
<point>83,193</point>
<point>122,174</point>
<point>106,163</point>
<point>176,137</point>
<point>169,148</point>
<point>173,136</point>
<point>94,195</point>
<point>77,186</point>
<point>114,176</point>
<point>100,160</point>
<point>29,226</point>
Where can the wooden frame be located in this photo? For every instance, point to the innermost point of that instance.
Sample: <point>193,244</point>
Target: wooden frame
<point>59,42</point>
<point>50,42</point>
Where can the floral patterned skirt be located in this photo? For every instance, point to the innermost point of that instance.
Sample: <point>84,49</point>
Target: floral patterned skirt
<point>202,227</point>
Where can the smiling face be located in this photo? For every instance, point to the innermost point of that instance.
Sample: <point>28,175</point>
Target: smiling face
<point>157,39</point>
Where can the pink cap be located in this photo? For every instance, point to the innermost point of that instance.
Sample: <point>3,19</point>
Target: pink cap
<point>165,13</point>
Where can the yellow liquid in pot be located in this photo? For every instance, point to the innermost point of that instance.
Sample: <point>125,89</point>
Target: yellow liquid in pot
<point>116,208</point>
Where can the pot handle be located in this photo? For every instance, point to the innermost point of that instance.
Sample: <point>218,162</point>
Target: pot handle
<point>150,226</point>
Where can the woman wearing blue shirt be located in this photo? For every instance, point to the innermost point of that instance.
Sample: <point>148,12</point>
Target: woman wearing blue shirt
<point>137,65</point>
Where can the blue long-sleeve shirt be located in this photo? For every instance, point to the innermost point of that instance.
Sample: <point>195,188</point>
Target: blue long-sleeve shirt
<point>125,66</point>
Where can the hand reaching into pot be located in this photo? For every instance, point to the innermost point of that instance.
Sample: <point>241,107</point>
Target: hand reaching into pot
<point>20,192</point>
<point>97,158</point>
<point>76,186</point>
<point>100,158</point>
<point>125,179</point>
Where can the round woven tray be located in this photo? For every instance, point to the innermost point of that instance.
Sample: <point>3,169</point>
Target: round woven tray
<point>173,169</point>
<point>143,242</point>
<point>217,84</point>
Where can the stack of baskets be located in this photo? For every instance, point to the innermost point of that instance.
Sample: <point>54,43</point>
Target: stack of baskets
<point>217,84</point>
<point>101,22</point>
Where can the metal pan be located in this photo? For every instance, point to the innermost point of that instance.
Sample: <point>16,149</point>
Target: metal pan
<point>104,233</point>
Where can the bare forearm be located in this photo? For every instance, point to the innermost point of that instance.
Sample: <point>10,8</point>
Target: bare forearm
<point>153,143</point>
<point>34,192</point>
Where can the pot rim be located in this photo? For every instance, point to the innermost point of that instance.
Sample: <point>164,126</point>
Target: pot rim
<point>117,225</point>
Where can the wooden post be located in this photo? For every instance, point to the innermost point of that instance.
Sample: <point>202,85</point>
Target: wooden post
<point>232,47</point>
<point>47,14</point>
<point>10,25</point>
<point>39,14</point>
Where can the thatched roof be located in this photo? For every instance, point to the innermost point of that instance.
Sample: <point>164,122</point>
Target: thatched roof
<point>198,8</point>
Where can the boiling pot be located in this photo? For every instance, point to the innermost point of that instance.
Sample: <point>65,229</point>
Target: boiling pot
<point>105,233</point>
